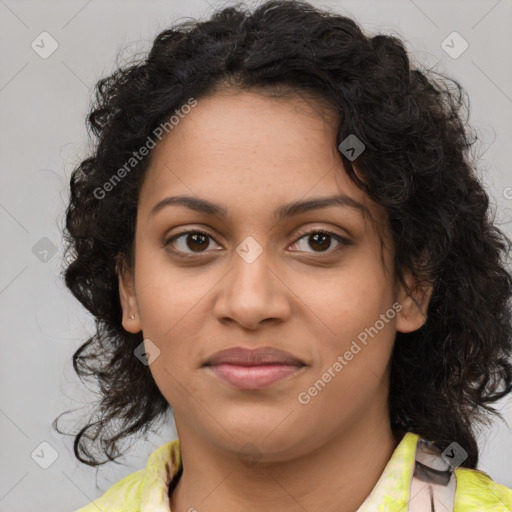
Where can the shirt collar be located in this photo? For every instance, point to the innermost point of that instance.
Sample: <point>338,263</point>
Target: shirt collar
<point>391,493</point>
<point>162,465</point>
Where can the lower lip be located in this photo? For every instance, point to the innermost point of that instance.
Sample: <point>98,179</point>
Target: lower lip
<point>254,377</point>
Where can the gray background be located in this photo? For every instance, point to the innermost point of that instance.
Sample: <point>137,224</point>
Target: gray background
<point>43,103</point>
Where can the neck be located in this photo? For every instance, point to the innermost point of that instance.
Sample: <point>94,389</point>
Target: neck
<point>345,470</point>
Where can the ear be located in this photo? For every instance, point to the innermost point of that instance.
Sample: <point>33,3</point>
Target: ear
<point>413,313</point>
<point>131,319</point>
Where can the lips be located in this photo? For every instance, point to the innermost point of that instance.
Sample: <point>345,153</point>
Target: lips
<point>253,369</point>
<point>253,357</point>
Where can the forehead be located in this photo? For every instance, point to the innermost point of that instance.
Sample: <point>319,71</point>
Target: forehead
<point>252,152</point>
<point>240,129</point>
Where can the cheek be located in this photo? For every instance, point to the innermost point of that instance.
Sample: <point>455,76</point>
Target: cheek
<point>353,356</point>
<point>352,366</point>
<point>166,294</point>
<point>170,312</point>
<point>358,293</point>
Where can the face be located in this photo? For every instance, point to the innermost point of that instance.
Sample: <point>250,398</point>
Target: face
<point>309,281</point>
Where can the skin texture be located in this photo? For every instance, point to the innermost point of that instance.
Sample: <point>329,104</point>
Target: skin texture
<point>252,154</point>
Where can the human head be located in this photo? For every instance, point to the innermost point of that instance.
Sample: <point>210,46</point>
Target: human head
<point>414,168</point>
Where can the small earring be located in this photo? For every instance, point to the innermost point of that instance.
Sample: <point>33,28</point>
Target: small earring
<point>132,317</point>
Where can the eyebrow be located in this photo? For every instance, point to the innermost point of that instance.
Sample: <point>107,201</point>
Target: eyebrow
<point>280,213</point>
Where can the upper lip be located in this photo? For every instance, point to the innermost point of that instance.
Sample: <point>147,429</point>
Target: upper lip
<point>252,357</point>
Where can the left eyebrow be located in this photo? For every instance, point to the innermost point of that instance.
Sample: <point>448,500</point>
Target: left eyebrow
<point>280,213</point>
<point>298,207</point>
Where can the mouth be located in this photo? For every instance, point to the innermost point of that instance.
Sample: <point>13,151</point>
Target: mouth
<point>253,369</point>
<point>254,377</point>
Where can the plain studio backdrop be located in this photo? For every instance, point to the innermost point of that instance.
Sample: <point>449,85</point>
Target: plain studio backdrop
<point>44,98</point>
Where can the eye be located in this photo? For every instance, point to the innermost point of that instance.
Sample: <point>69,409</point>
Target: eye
<point>322,240</point>
<point>189,242</point>
<point>196,241</point>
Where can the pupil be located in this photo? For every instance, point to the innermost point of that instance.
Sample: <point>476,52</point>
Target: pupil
<point>322,244</point>
<point>195,237</point>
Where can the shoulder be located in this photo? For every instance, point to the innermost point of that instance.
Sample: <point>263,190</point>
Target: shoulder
<point>476,491</point>
<point>123,496</point>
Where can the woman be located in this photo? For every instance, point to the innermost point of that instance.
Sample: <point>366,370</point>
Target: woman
<point>281,236</point>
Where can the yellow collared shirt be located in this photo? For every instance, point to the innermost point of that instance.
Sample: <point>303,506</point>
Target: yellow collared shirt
<point>146,490</point>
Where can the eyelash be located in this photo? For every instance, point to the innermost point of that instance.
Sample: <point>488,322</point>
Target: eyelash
<point>342,241</point>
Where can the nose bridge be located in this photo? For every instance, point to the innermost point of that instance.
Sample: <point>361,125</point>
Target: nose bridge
<point>251,274</point>
<point>252,291</point>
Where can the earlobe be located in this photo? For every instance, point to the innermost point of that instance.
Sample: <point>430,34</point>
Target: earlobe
<point>413,313</point>
<point>131,320</point>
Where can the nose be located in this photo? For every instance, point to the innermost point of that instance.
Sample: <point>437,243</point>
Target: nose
<point>252,291</point>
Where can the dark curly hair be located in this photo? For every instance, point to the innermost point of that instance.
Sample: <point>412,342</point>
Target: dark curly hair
<point>416,164</point>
